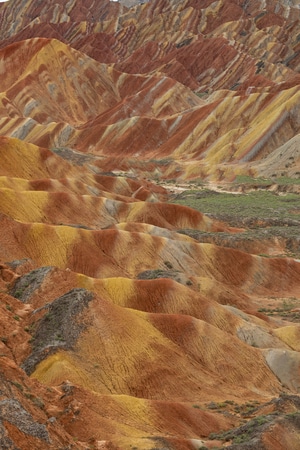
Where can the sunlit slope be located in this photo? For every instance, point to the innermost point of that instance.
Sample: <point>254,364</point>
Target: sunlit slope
<point>98,212</point>
<point>110,253</point>
<point>118,331</point>
<point>33,190</point>
<point>161,296</point>
<point>198,133</point>
<point>126,352</point>
<point>54,95</point>
<point>53,89</point>
<point>183,339</point>
<point>26,167</point>
<point>30,162</point>
<point>31,13</point>
<point>129,421</point>
<point>190,137</point>
<point>145,38</point>
<point>66,85</point>
<point>51,83</point>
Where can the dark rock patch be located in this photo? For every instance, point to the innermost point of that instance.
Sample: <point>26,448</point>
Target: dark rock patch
<point>26,285</point>
<point>13,412</point>
<point>59,328</point>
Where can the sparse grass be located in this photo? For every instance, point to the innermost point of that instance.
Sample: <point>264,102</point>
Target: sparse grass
<point>202,94</point>
<point>245,432</point>
<point>263,214</point>
<point>161,162</point>
<point>229,406</point>
<point>18,385</point>
<point>18,293</point>
<point>229,402</point>
<point>216,406</point>
<point>284,310</point>
<point>282,180</point>
<point>246,179</point>
<point>259,204</point>
<point>153,274</point>
<point>157,273</point>
<point>37,401</point>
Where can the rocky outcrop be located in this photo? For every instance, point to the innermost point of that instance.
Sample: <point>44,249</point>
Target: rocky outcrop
<point>59,328</point>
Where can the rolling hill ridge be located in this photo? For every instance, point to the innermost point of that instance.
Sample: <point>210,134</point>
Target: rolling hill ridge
<point>149,211</point>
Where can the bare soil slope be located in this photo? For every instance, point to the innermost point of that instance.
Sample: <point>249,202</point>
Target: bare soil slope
<point>127,320</point>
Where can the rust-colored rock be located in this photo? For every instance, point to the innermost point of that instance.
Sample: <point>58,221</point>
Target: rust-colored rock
<point>119,327</point>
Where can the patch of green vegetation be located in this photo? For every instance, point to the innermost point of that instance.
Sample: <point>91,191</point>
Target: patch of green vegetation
<point>229,402</point>
<point>159,273</point>
<point>35,400</point>
<point>169,181</point>
<point>152,274</point>
<point>289,236</point>
<point>244,433</point>
<point>216,405</point>
<point>18,293</point>
<point>161,162</point>
<point>203,94</point>
<point>285,310</point>
<point>293,416</point>
<point>229,406</point>
<point>263,214</point>
<point>18,385</point>
<point>257,205</point>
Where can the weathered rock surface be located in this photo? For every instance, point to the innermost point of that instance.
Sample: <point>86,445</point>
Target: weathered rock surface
<point>126,321</point>
<point>129,100</point>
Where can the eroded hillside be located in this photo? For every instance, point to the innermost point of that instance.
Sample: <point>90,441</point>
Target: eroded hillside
<point>130,317</point>
<point>237,60</point>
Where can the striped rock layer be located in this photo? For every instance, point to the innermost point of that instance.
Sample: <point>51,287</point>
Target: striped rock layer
<point>118,331</point>
<point>204,89</point>
<point>125,329</point>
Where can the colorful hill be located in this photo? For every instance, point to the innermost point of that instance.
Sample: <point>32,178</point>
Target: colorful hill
<point>129,321</point>
<point>240,59</point>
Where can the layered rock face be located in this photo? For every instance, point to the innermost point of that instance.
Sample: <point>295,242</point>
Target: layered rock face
<point>119,328</point>
<point>208,86</point>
